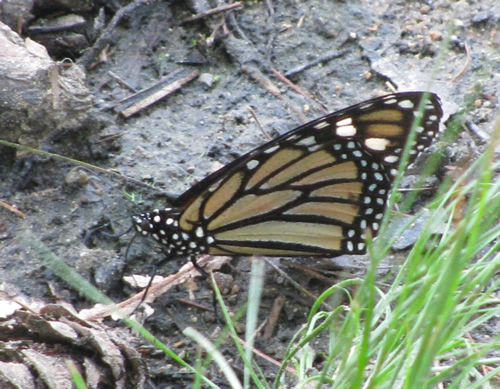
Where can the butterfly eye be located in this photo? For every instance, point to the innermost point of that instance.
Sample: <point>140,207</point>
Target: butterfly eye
<point>315,190</point>
<point>142,224</point>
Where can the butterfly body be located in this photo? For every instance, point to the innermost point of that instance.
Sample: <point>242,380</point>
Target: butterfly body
<point>315,190</point>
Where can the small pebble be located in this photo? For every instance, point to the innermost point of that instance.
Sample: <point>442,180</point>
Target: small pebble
<point>435,35</point>
<point>207,79</point>
<point>425,9</point>
<point>481,17</point>
<point>76,177</point>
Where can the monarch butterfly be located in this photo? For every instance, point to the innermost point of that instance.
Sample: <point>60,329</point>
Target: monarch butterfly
<point>313,191</point>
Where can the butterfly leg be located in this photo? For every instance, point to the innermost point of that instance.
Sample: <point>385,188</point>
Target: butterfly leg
<point>202,271</point>
<point>153,274</point>
<point>204,274</point>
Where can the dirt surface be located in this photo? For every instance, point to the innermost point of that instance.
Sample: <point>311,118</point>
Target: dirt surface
<point>366,48</point>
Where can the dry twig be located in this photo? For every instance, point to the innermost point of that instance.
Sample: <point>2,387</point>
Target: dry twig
<point>144,98</point>
<point>462,71</point>
<point>299,90</point>
<point>213,11</point>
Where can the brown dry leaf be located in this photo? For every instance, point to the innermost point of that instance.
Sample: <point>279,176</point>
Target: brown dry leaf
<point>37,340</point>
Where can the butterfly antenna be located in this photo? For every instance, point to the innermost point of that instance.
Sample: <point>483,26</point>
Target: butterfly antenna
<point>129,243</point>
<point>92,230</point>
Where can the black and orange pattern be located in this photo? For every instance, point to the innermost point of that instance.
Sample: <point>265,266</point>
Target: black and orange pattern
<point>312,191</point>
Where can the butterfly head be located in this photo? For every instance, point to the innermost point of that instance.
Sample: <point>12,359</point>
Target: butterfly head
<point>163,226</point>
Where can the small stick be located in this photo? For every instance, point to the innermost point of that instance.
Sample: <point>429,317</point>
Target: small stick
<point>257,75</point>
<point>110,138</point>
<point>276,309</point>
<point>326,58</point>
<point>54,83</point>
<point>268,358</point>
<point>462,71</point>
<point>222,8</point>
<point>154,93</point>
<point>121,81</point>
<point>293,282</point>
<point>258,123</point>
<point>307,270</point>
<point>299,90</point>
<point>12,209</point>
<point>195,305</point>
<point>270,8</point>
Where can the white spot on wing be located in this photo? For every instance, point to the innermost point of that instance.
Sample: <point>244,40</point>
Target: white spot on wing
<point>271,149</point>
<point>345,131</point>
<point>378,144</point>
<point>391,158</point>
<point>309,141</point>
<point>407,104</point>
<point>320,125</point>
<point>344,122</point>
<point>252,164</point>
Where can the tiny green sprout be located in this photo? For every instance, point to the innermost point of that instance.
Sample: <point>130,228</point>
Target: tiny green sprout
<point>162,55</point>
<point>135,199</point>
<point>398,197</point>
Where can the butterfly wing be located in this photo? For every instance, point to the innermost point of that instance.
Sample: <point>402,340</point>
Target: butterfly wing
<point>312,191</point>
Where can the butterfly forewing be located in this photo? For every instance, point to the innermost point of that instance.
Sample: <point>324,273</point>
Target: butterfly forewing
<point>312,191</point>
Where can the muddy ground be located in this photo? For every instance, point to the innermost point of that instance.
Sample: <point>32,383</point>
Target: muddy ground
<point>366,48</point>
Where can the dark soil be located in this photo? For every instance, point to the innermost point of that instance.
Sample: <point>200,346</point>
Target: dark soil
<point>367,46</point>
